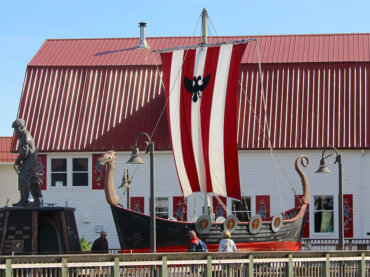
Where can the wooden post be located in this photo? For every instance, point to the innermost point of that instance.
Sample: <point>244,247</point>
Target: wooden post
<point>116,267</point>
<point>209,266</point>
<point>208,272</point>
<point>363,265</point>
<point>290,266</point>
<point>327,266</point>
<point>64,267</point>
<point>8,268</point>
<point>250,266</point>
<point>164,267</point>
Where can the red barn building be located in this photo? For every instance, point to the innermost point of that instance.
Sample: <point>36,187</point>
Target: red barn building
<point>82,97</point>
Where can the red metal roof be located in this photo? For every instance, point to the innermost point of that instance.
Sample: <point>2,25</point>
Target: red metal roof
<point>316,94</point>
<point>305,106</point>
<point>5,154</point>
<point>92,109</point>
<point>274,49</point>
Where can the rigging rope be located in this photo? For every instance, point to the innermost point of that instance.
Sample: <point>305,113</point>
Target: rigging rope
<point>266,123</point>
<point>212,26</point>
<point>155,56</point>
<point>265,128</point>
<point>269,130</point>
<point>159,72</point>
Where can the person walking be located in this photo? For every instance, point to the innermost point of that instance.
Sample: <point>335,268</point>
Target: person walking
<point>100,245</point>
<point>226,243</point>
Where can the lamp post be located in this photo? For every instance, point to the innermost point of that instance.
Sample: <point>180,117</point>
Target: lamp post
<point>135,159</point>
<point>126,181</point>
<point>324,169</point>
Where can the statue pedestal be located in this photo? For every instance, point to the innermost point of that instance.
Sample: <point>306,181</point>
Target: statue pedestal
<point>38,230</point>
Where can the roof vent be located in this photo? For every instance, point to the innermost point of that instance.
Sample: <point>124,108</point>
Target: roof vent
<point>142,43</point>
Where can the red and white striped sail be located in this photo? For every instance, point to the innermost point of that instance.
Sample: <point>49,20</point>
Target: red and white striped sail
<point>202,119</point>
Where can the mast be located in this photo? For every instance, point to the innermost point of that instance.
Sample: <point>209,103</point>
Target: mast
<point>219,179</point>
<point>204,26</point>
<point>207,208</point>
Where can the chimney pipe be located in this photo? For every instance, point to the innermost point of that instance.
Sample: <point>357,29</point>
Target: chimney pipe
<point>142,44</point>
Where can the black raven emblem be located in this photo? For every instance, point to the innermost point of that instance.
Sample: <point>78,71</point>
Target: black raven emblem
<point>193,86</point>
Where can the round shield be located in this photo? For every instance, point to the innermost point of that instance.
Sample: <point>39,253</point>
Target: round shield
<point>203,224</point>
<point>255,224</point>
<point>276,222</point>
<point>230,224</point>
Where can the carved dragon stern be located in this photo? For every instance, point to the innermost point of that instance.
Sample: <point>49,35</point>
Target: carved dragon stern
<point>109,159</point>
<point>305,161</point>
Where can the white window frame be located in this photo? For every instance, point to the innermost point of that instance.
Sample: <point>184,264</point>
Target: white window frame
<point>312,217</point>
<point>69,159</point>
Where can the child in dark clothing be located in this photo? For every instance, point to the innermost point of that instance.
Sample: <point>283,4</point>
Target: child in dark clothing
<point>196,244</point>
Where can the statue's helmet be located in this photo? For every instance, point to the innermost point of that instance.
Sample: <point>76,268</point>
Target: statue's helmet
<point>19,122</point>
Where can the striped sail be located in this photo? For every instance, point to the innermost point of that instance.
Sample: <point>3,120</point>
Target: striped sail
<point>200,88</point>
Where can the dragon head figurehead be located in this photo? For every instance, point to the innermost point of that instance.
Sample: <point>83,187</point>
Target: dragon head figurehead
<point>109,158</point>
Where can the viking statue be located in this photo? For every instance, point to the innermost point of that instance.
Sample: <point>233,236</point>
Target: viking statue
<point>25,166</point>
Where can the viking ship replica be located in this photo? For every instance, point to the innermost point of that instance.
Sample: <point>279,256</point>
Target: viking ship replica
<point>201,84</point>
<point>282,232</point>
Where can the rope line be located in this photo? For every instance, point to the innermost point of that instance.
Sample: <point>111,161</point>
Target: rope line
<point>265,127</point>
<point>159,72</point>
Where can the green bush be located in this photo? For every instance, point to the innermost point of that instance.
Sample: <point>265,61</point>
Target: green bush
<point>85,245</point>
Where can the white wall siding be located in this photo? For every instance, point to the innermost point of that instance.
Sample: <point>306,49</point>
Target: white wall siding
<point>91,210</point>
<point>258,177</point>
<point>8,184</point>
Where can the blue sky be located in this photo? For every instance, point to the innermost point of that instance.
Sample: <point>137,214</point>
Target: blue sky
<point>25,25</point>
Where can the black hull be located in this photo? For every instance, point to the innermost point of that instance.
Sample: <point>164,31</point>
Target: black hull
<point>134,233</point>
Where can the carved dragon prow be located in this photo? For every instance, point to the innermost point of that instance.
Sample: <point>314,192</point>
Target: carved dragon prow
<point>109,159</point>
<point>305,161</point>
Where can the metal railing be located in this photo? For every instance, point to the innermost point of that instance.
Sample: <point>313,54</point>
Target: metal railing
<point>333,244</point>
<point>303,263</point>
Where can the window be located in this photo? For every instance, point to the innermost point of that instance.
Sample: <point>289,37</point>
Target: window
<point>324,214</point>
<point>161,207</point>
<point>242,208</point>
<point>59,172</point>
<point>69,172</point>
<point>80,172</point>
